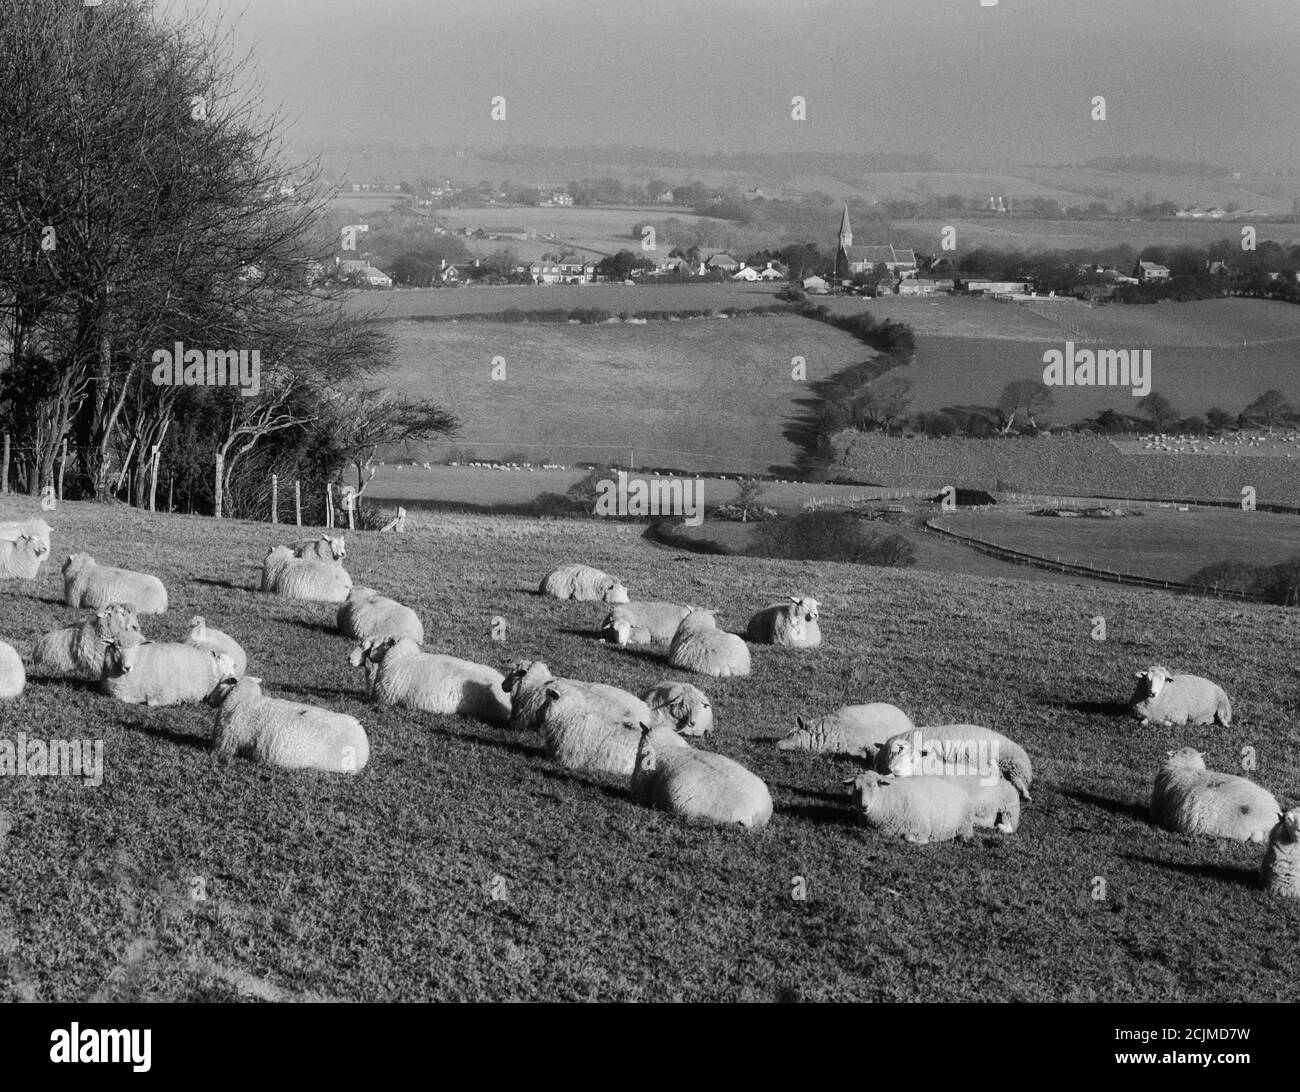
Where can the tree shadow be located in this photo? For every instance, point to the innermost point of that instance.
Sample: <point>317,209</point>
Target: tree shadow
<point>1140,812</point>
<point>1224,873</point>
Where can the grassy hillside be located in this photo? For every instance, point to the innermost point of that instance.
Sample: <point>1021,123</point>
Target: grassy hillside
<point>380,887</point>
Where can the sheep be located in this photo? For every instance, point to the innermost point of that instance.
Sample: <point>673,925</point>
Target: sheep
<point>365,613</point>
<point>78,651</point>
<point>526,684</point>
<point>284,733</point>
<point>326,548</point>
<point>582,582</point>
<point>850,730</point>
<point>398,673</point>
<point>959,747</point>
<point>86,584</point>
<point>161,673</point>
<point>680,706</point>
<point>1279,871</point>
<point>994,801</point>
<point>203,636</point>
<point>790,625</point>
<point>1188,798</point>
<point>21,558</point>
<point>696,784</point>
<point>581,732</point>
<point>37,528</point>
<point>1168,699</point>
<point>642,623</point>
<point>699,646</point>
<point>298,578</point>
<point>13,677</point>
<point>919,809</point>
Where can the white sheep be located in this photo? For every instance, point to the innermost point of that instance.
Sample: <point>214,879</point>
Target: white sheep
<point>37,528</point>
<point>696,784</point>
<point>203,636</point>
<point>582,733</point>
<point>1188,798</point>
<point>365,613</point>
<point>1279,871</point>
<point>78,651</point>
<point>326,548</point>
<point>398,673</point>
<point>642,623</point>
<point>850,730</point>
<point>284,733</point>
<point>13,677</point>
<point>789,625</point>
<point>161,673</point>
<point>994,801</point>
<point>86,584</point>
<point>1168,699</point>
<point>582,582</point>
<point>918,809</point>
<point>526,684</point>
<point>297,578</point>
<point>684,708</point>
<point>956,748</point>
<point>21,558</point>
<point>699,646</point>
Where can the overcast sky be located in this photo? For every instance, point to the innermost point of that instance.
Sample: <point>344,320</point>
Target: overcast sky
<point>1214,80</point>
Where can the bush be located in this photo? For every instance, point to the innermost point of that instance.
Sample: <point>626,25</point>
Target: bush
<point>554,505</point>
<point>831,536</point>
<point>1279,583</point>
<point>582,494</point>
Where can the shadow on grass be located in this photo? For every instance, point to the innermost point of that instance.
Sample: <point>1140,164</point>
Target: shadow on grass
<point>230,585</point>
<point>1140,812</point>
<point>323,691</point>
<point>1248,877</point>
<point>576,777</point>
<point>816,794</point>
<point>184,739</point>
<point>1098,708</point>
<point>316,627</point>
<point>592,634</point>
<point>823,814</point>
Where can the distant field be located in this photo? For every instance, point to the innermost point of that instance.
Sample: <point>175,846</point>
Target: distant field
<point>366,202</point>
<point>606,231</point>
<point>1006,233</point>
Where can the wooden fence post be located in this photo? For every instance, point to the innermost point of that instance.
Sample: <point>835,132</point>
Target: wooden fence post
<point>297,500</point>
<point>216,486</point>
<point>352,504</point>
<point>171,485</point>
<point>4,468</point>
<point>153,479</point>
<point>329,504</point>
<point>275,498</point>
<point>63,462</point>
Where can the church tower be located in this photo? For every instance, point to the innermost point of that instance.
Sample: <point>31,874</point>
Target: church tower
<point>842,252</point>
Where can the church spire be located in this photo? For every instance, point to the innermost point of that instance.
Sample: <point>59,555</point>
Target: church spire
<point>846,232</point>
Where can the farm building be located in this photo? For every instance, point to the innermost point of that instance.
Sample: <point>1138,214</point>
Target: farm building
<point>1150,271</point>
<point>924,286</point>
<point>850,259</point>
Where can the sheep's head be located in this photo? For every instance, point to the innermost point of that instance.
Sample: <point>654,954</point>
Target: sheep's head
<point>902,757</point>
<point>77,562</point>
<point>218,694</point>
<point>806,608</point>
<point>338,548</point>
<point>796,740</point>
<point>515,675</point>
<point>691,711</point>
<point>1290,821</point>
<point>612,591</point>
<point>223,664</point>
<point>27,543</point>
<point>121,655</point>
<point>1153,679</point>
<point>616,631</point>
<point>864,788</point>
<point>1185,758</point>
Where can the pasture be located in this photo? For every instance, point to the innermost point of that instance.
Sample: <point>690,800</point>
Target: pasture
<point>462,864</point>
<point>595,231</point>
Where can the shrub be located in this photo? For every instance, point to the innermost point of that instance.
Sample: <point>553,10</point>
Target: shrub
<point>831,536</point>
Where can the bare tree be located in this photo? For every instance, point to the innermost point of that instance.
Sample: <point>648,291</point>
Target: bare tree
<point>360,422</point>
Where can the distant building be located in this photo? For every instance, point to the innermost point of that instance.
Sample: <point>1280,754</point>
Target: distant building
<point>816,285</point>
<point>665,198</point>
<point>722,261</point>
<point>924,286</point>
<point>774,271</point>
<point>851,260</point>
<point>1146,272</point>
<point>997,288</point>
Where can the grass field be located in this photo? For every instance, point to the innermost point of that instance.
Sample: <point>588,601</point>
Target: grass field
<point>380,887</point>
<point>1014,233</point>
<point>602,230</point>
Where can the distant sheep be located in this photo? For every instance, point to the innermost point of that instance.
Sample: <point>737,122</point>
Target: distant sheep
<point>699,646</point>
<point>37,528</point>
<point>696,784</point>
<point>21,558</point>
<point>851,730</point>
<point>403,675</point>
<point>86,584</point>
<point>326,548</point>
<point>1279,871</point>
<point>526,684</point>
<point>204,636</point>
<point>78,651</point>
<point>949,748</point>
<point>642,623</point>
<point>1188,798</point>
<point>684,708</point>
<point>297,578</point>
<point>918,809</point>
<point>365,613</point>
<point>13,677</point>
<point>284,733</point>
<point>788,625</point>
<point>1161,697</point>
<point>582,733</point>
<point>582,582</point>
<point>161,673</point>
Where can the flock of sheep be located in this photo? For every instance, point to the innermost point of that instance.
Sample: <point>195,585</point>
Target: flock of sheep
<point>922,783</point>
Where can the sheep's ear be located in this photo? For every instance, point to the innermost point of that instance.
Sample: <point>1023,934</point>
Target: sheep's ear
<point>847,780</point>
<point>798,721</point>
<point>551,692</point>
<point>794,599</point>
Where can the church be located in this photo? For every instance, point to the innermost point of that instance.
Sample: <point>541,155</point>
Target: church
<point>850,259</point>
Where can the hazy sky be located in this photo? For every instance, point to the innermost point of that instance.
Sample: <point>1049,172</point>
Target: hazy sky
<point>1214,80</point>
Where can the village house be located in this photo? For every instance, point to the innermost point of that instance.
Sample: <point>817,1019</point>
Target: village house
<point>722,261</point>
<point>1147,272</point>
<point>924,286</point>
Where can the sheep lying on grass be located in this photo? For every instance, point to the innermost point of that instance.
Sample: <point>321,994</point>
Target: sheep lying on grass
<point>325,548</point>
<point>1279,871</point>
<point>403,675</point>
<point>918,809</point>
<point>1165,698</point>
<point>789,625</point>
<point>956,748</point>
<point>1190,799</point>
<point>684,708</point>
<point>161,673</point>
<point>582,582</point>
<point>21,558</point>
<point>642,623</point>
<point>699,646</point>
<point>581,732</point>
<point>365,613</point>
<point>284,733</point>
<point>696,784</point>
<point>205,637</point>
<point>297,578</point>
<point>13,677</point>
<point>850,730</point>
<point>86,584</point>
<point>78,651</point>
<point>36,528</point>
<point>526,684</point>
